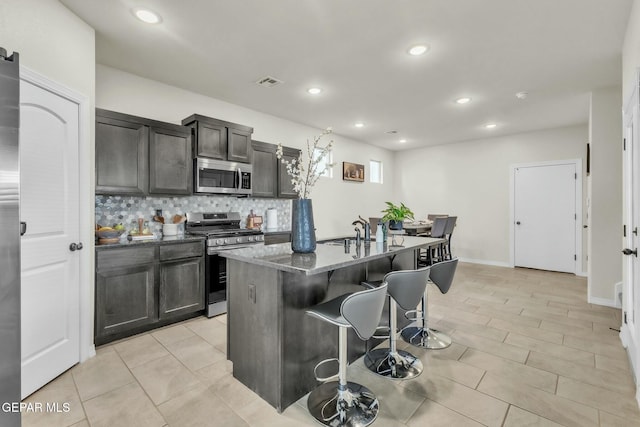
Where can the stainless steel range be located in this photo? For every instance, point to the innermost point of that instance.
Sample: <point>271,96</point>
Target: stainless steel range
<point>223,232</point>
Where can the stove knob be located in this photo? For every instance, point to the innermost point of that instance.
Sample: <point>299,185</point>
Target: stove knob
<point>219,241</point>
<point>251,238</point>
<point>260,238</point>
<point>239,240</point>
<point>226,241</point>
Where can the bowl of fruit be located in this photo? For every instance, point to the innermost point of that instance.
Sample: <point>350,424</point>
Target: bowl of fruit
<point>109,234</point>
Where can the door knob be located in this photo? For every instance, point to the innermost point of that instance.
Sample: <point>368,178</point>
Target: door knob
<point>517,222</point>
<point>73,247</point>
<point>80,246</point>
<point>629,252</point>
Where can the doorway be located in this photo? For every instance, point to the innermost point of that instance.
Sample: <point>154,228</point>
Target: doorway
<point>630,330</point>
<point>546,202</point>
<point>51,132</point>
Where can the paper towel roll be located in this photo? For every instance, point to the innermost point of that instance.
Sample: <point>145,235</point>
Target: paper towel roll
<point>272,218</point>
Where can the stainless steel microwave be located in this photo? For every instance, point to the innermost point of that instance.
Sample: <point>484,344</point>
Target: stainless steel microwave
<point>220,177</point>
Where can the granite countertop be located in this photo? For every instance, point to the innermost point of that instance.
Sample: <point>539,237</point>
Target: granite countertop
<point>161,241</point>
<point>328,256</point>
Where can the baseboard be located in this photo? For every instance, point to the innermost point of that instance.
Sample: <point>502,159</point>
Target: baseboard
<point>88,353</point>
<point>602,301</point>
<point>485,262</point>
<point>582,274</point>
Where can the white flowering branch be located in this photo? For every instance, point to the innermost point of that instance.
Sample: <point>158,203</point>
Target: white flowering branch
<point>304,174</point>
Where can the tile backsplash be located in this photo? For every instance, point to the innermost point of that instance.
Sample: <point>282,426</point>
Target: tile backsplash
<point>127,209</point>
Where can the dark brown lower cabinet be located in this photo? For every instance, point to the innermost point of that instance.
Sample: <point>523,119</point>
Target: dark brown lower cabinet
<point>126,298</point>
<point>143,287</point>
<point>181,287</point>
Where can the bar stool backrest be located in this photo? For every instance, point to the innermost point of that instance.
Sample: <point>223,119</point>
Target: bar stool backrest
<point>442,274</point>
<point>438,227</point>
<point>406,287</point>
<point>431,217</point>
<point>451,223</point>
<point>363,310</point>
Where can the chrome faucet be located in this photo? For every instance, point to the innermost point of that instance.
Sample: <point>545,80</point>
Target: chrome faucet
<point>357,236</point>
<point>365,226</point>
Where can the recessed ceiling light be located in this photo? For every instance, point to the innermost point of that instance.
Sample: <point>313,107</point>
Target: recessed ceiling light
<point>359,125</point>
<point>419,49</point>
<point>146,15</point>
<point>522,95</point>
<point>402,141</point>
<point>314,90</point>
<point>490,126</point>
<point>464,100</point>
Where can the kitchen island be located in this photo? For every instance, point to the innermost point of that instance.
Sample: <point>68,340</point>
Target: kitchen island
<point>272,343</point>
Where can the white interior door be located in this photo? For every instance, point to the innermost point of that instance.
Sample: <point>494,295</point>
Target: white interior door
<point>545,217</point>
<point>630,333</point>
<point>49,201</point>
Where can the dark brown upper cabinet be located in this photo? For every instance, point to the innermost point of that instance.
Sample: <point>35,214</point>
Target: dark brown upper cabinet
<point>285,187</point>
<point>170,163</point>
<point>265,170</point>
<point>138,156</point>
<point>217,139</point>
<point>121,156</point>
<point>270,178</point>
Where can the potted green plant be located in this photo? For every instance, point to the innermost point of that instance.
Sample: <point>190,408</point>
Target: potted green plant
<point>396,215</point>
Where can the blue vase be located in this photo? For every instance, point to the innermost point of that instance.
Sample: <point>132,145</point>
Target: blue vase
<point>303,232</point>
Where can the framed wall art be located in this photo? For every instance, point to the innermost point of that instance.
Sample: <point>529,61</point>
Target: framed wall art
<point>352,172</point>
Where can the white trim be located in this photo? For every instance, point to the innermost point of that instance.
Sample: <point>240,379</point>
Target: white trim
<point>601,301</point>
<point>87,347</point>
<point>485,262</point>
<point>582,274</point>
<point>627,341</point>
<point>578,267</point>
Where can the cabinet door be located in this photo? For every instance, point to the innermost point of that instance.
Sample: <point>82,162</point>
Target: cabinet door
<point>212,141</point>
<point>239,149</point>
<point>170,161</point>
<point>125,299</point>
<point>121,157</point>
<point>285,187</point>
<point>181,287</point>
<point>265,170</point>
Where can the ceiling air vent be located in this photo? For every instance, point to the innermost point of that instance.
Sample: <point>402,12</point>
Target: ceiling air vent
<point>269,81</point>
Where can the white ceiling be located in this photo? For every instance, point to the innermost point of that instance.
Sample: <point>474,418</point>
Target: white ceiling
<point>556,50</point>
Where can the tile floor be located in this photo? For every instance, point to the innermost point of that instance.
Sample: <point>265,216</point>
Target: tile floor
<point>528,350</point>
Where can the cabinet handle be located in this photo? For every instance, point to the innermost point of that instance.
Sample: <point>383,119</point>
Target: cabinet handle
<point>73,247</point>
<point>629,252</point>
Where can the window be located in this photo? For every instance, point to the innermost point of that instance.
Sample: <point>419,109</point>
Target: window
<point>375,171</point>
<point>327,160</point>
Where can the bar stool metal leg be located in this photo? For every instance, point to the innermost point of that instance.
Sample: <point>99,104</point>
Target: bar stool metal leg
<point>391,362</point>
<point>343,403</point>
<point>423,336</point>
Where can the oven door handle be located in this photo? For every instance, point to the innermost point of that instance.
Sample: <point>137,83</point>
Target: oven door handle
<point>216,251</point>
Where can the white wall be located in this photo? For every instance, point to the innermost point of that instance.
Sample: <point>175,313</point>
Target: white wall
<point>471,180</point>
<point>605,195</point>
<point>631,50</point>
<point>56,44</point>
<point>336,203</point>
